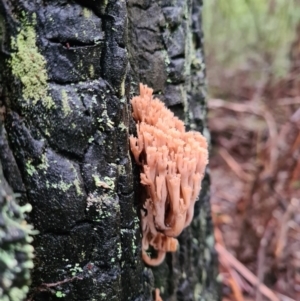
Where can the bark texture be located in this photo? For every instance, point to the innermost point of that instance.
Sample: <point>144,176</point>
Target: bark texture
<point>69,70</point>
<point>166,52</point>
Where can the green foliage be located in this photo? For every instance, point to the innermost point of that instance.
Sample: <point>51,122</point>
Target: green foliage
<point>250,34</point>
<point>16,252</point>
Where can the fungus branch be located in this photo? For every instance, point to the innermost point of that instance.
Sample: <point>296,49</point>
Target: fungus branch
<point>172,166</point>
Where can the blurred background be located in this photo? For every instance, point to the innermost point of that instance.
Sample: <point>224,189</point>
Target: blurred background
<point>252,50</point>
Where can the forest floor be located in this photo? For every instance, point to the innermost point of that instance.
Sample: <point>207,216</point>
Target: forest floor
<point>255,174</point>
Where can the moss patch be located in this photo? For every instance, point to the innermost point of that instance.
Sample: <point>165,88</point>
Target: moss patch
<point>30,66</point>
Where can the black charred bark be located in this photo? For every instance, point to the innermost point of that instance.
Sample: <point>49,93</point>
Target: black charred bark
<point>166,52</point>
<point>69,71</point>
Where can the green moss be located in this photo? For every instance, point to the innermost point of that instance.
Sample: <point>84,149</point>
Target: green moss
<point>29,66</point>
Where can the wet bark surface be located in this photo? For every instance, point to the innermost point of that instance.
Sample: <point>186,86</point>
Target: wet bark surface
<point>69,70</point>
<point>166,52</point>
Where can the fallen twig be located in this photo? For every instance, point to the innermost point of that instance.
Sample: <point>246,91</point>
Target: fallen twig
<point>248,275</point>
<point>235,166</point>
<point>282,238</point>
<point>262,255</point>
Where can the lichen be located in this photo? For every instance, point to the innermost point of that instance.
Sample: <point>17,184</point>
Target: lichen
<point>76,181</point>
<point>77,187</point>
<point>30,168</point>
<point>95,201</point>
<point>105,184</point>
<point>110,182</point>
<point>92,71</point>
<point>122,87</point>
<point>62,186</point>
<point>44,164</point>
<point>65,103</point>
<point>29,66</point>
<point>76,269</point>
<point>60,294</point>
<point>16,253</point>
<point>122,126</point>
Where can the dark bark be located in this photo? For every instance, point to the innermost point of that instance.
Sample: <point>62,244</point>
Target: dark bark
<point>165,47</point>
<point>66,85</point>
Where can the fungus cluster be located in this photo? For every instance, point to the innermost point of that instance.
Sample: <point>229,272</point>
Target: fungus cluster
<point>172,165</point>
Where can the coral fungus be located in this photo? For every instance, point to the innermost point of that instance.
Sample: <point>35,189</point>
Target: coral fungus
<point>172,166</point>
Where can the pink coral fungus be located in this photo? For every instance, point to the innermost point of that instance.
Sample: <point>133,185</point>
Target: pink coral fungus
<point>172,166</point>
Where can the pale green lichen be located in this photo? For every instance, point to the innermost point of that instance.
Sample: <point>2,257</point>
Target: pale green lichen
<point>107,182</point>
<point>44,164</point>
<point>65,103</point>
<point>86,12</point>
<point>92,71</point>
<point>95,201</point>
<point>122,126</point>
<point>108,121</point>
<point>30,168</point>
<point>122,87</point>
<point>110,182</point>
<point>76,269</point>
<point>197,291</point>
<point>166,57</point>
<point>60,294</point>
<point>62,186</point>
<point>119,249</point>
<point>29,65</point>
<point>76,181</point>
<point>77,187</point>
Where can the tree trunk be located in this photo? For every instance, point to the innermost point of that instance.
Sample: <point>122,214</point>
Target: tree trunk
<point>69,71</point>
<point>165,51</point>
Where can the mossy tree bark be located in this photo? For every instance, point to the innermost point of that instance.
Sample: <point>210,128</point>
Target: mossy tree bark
<point>69,71</point>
